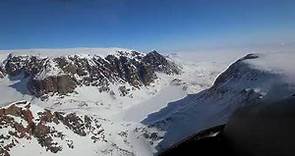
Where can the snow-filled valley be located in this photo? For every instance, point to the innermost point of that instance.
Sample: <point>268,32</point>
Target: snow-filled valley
<point>148,118</point>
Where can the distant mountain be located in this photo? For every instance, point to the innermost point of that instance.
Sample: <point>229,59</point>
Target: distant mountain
<point>62,74</point>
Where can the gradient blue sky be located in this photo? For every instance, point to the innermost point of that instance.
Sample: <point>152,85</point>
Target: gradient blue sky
<point>146,24</point>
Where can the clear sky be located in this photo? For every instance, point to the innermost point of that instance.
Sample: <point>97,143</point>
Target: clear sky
<point>146,24</point>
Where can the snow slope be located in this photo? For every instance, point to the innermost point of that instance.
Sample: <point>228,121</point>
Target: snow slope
<point>160,100</point>
<point>13,90</point>
<point>252,78</point>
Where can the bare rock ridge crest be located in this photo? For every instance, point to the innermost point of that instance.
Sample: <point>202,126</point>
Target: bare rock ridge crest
<point>63,74</point>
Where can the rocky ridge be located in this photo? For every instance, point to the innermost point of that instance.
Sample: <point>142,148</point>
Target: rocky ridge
<point>19,122</point>
<point>62,74</point>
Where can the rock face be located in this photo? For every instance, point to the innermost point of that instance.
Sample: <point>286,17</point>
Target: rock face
<point>159,63</point>
<point>62,84</point>
<point>18,122</point>
<point>64,73</point>
<point>29,65</point>
<point>2,72</point>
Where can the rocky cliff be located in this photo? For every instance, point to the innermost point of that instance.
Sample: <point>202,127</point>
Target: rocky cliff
<point>62,74</point>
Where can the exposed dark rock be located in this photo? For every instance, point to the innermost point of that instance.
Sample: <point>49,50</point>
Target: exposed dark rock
<point>29,65</point>
<point>42,127</point>
<point>2,72</point>
<point>68,72</point>
<point>123,90</point>
<point>160,63</point>
<point>62,84</point>
<point>125,68</point>
<point>73,122</point>
<point>146,73</point>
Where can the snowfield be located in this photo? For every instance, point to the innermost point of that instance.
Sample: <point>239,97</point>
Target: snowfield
<point>153,118</point>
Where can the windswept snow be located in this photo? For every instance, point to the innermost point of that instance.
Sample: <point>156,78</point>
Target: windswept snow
<point>243,83</point>
<point>161,99</point>
<point>280,63</point>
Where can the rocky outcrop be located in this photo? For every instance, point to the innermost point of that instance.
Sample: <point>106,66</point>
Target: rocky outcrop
<point>18,122</point>
<point>159,63</point>
<point>64,73</point>
<point>2,72</point>
<point>62,84</point>
<point>29,65</point>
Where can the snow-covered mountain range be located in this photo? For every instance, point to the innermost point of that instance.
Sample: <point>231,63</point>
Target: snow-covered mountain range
<point>123,102</point>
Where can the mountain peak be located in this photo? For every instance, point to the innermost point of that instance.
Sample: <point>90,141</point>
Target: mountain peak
<point>62,74</point>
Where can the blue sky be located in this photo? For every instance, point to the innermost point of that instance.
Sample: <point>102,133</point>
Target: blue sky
<point>146,24</point>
